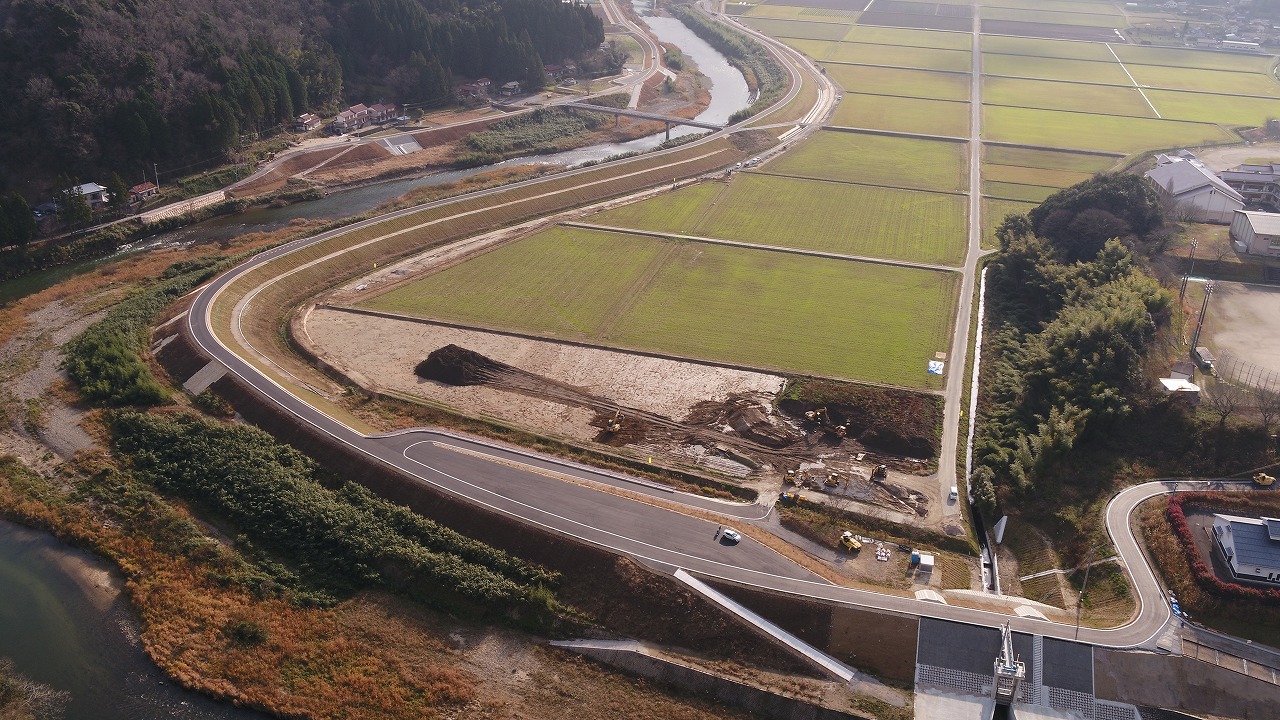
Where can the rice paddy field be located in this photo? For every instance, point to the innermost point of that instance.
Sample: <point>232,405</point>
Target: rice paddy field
<point>860,194</point>
<point>802,29</point>
<point>831,217</point>
<point>1112,133</point>
<point>756,308</point>
<point>900,82</point>
<point>1050,95</point>
<point>877,160</point>
<point>886,55</point>
<point>914,115</point>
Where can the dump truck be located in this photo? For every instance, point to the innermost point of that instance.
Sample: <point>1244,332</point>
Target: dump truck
<point>1263,479</point>
<point>849,542</point>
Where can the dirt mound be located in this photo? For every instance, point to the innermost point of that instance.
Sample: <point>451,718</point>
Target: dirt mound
<point>456,365</point>
<point>887,440</point>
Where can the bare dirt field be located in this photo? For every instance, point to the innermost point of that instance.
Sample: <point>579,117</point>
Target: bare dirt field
<point>1225,158</point>
<point>1244,320</point>
<point>386,351</point>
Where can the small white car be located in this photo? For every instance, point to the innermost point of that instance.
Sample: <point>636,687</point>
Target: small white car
<point>955,494</point>
<point>731,536</point>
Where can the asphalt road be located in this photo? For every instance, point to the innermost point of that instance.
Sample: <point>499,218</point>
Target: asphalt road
<point>520,486</point>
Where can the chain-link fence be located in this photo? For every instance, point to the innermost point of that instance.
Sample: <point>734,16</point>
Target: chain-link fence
<point>1243,372</point>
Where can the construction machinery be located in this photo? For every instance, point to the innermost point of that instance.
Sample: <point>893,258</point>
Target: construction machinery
<point>822,417</point>
<point>833,480</point>
<point>849,542</point>
<point>880,474</point>
<point>615,423</point>
<point>1263,479</point>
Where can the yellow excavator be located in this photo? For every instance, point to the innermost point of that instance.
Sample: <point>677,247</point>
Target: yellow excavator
<point>1263,479</point>
<point>614,424</point>
<point>849,542</point>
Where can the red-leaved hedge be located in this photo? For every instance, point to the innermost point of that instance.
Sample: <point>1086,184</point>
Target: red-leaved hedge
<point>1200,570</point>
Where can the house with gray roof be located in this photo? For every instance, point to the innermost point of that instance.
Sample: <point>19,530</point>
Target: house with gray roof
<point>1250,546</point>
<point>1256,233</point>
<point>1193,191</point>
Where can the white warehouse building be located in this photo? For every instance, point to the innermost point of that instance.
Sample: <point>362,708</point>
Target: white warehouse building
<point>1192,190</point>
<point>1256,233</point>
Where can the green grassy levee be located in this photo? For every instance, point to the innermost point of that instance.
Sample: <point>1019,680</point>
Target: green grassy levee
<point>790,313</point>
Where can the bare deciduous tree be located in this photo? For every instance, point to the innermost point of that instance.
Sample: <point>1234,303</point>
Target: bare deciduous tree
<point>1268,401</point>
<point>1225,398</point>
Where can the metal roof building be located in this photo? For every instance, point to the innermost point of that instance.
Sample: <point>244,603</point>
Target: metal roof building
<point>1251,546</point>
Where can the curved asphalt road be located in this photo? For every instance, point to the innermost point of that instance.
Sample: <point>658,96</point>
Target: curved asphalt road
<point>519,483</point>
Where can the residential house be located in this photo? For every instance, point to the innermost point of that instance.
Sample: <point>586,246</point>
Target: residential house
<point>470,91</point>
<point>353,118</point>
<point>93,193</point>
<point>570,67</point>
<point>382,112</point>
<point>555,72</point>
<point>306,122</point>
<point>1256,233</point>
<point>1259,184</point>
<point>511,88</point>
<point>1192,190</point>
<point>1250,546</point>
<point>141,192</point>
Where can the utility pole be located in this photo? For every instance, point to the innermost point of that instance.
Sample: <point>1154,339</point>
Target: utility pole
<point>1182,293</point>
<point>156,168</point>
<point>1204,308</point>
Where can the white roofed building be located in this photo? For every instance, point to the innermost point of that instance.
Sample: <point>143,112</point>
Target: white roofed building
<point>1256,233</point>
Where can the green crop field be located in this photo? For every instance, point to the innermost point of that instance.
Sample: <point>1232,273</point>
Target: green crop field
<point>877,160</point>
<point>791,12</point>
<point>1046,48</point>
<point>1033,176</point>
<point>1213,81</point>
<point>898,81</point>
<point>790,313</point>
<point>915,115</point>
<point>909,38</point>
<point>1050,95</point>
<point>808,214</point>
<point>1055,69</point>
<point>885,55</point>
<point>798,28</point>
<point>1208,60</point>
<point>1111,133</point>
<point>1092,19</point>
<point>1048,159</point>
<point>1229,110</point>
<point>1015,191</point>
<point>994,212</point>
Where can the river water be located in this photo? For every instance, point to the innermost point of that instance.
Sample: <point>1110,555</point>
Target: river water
<point>63,620</point>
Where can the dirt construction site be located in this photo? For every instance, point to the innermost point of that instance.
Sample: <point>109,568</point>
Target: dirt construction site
<point>737,423</point>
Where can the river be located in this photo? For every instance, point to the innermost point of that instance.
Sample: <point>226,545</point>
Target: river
<point>63,620</point>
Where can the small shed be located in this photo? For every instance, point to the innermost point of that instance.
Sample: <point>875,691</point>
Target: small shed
<point>926,563</point>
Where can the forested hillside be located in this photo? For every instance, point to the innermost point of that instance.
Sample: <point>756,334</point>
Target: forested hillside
<point>92,87</point>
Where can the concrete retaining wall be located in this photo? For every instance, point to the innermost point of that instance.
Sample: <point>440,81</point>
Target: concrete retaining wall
<point>755,700</point>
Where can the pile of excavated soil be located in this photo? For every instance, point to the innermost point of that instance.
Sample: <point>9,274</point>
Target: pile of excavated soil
<point>454,365</point>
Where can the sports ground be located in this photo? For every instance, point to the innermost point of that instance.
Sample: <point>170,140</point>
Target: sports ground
<point>834,258</point>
